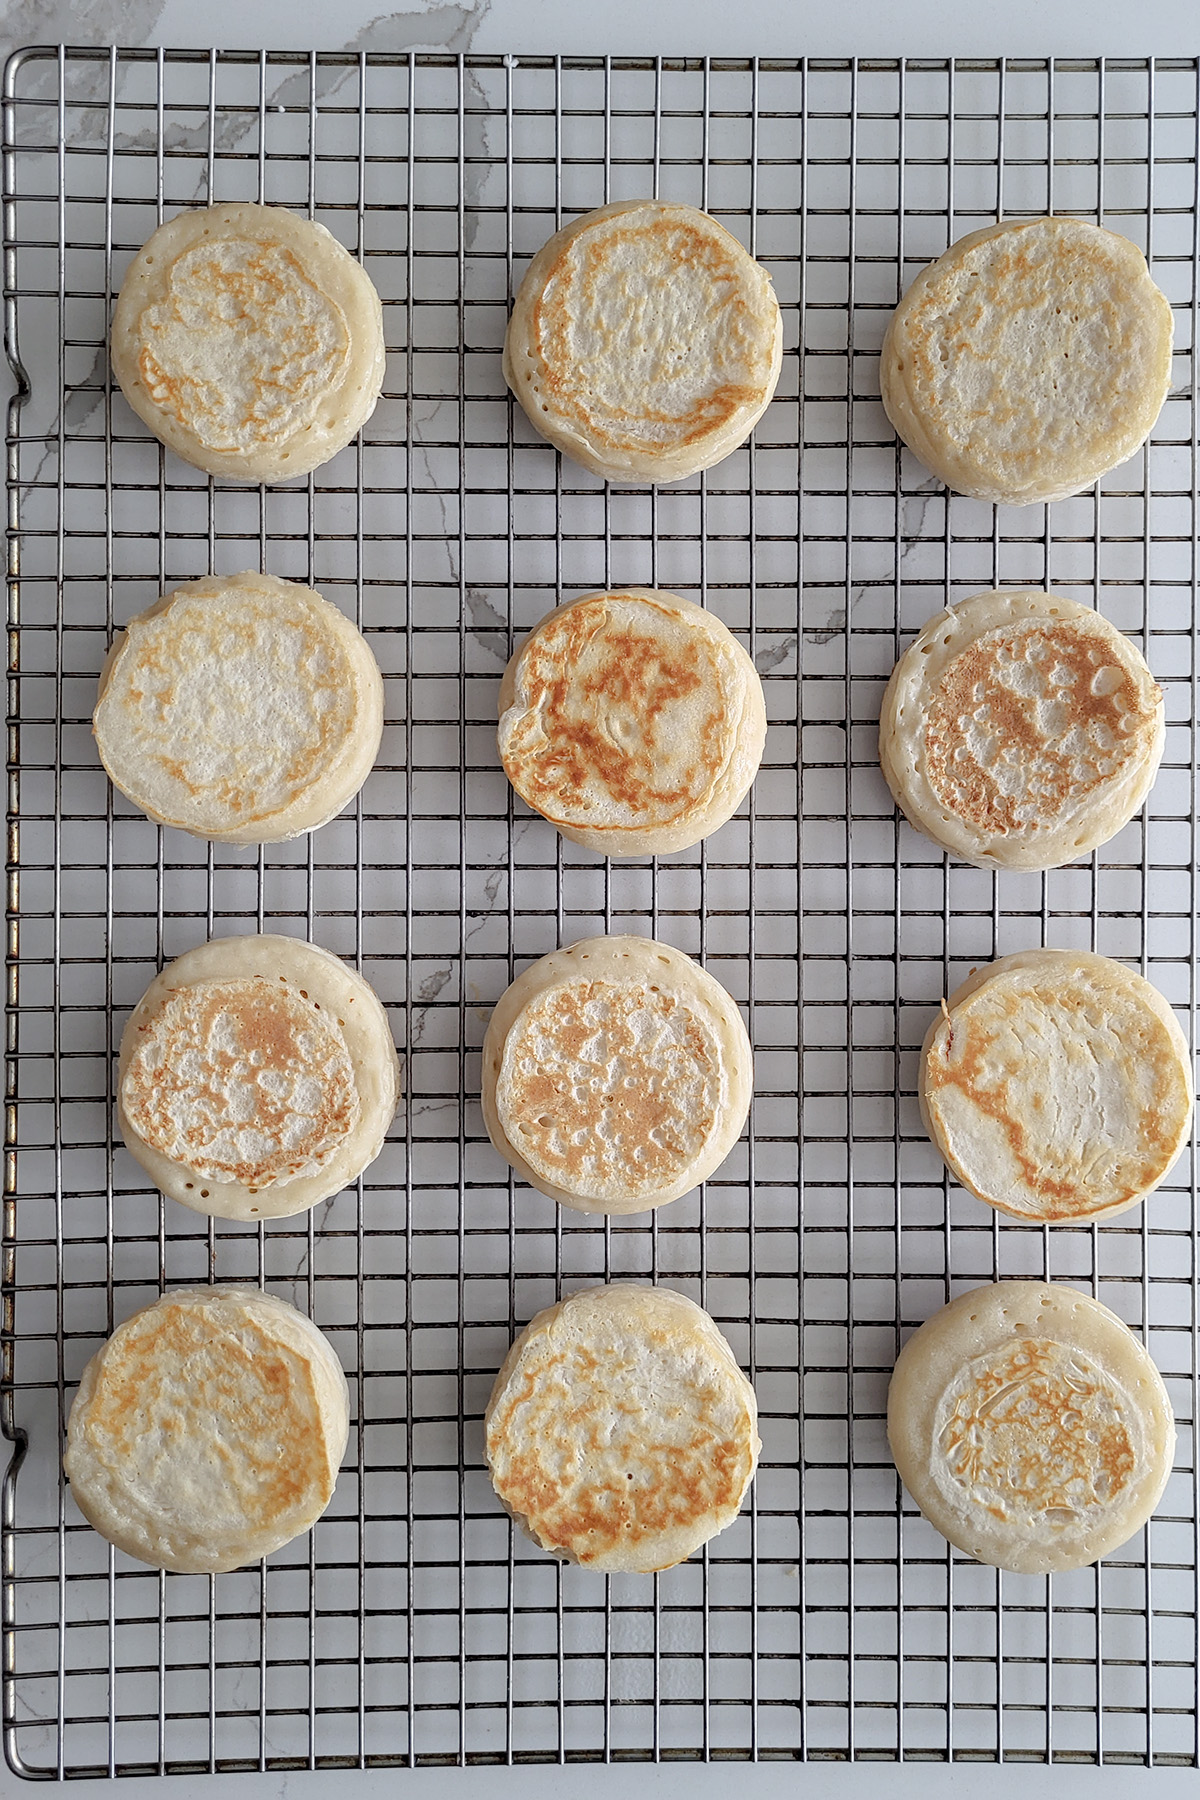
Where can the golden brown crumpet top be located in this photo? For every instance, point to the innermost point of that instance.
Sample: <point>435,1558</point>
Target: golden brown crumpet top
<point>241,708</point>
<point>1031,358</point>
<point>634,721</point>
<point>1057,1085</point>
<point>257,1076</point>
<point>249,341</point>
<point>616,1075</point>
<point>621,1433</point>
<point>243,1081</point>
<point>644,342</point>
<point>208,1430</point>
<point>661,1061</point>
<point>1030,1427</point>
<point>1021,730</point>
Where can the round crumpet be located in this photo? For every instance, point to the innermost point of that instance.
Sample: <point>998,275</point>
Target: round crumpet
<point>257,1076</point>
<point>1057,1086</point>
<point>1030,1427</point>
<point>1021,730</point>
<point>633,720</point>
<point>240,708</point>
<point>208,1430</point>
<point>621,1433</point>
<point>617,1075</point>
<point>1028,360</point>
<point>249,341</point>
<point>644,342</point>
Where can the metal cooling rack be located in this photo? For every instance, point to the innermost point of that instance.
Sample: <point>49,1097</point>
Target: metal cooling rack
<point>413,1626</point>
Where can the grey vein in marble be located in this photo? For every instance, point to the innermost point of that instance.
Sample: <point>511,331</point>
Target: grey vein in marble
<point>773,654</point>
<point>912,527</point>
<point>300,1274</point>
<point>424,998</point>
<point>77,22</point>
<point>486,621</point>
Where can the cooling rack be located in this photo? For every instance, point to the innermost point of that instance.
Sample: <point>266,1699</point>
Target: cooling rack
<point>414,1626</point>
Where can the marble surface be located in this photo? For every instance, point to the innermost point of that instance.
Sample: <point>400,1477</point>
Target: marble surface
<point>629,27</point>
<point>766,27</point>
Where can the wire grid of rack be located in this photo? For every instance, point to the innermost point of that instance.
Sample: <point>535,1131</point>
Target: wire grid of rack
<point>414,1625</point>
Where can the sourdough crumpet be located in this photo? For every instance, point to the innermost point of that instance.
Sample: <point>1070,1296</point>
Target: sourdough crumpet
<point>241,708</point>
<point>208,1431</point>
<point>1030,1427</point>
<point>634,721</point>
<point>644,341</point>
<point>249,341</point>
<point>1021,730</point>
<point>617,1075</point>
<point>1057,1085</point>
<point>1028,360</point>
<point>621,1433</point>
<point>257,1076</point>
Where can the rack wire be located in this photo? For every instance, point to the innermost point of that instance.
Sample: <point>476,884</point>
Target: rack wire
<point>414,1626</point>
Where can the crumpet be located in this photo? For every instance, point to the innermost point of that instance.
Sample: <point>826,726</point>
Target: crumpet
<point>617,1075</point>
<point>249,341</point>
<point>240,708</point>
<point>1057,1086</point>
<point>257,1076</point>
<point>208,1430</point>
<point>621,1433</point>
<point>1028,360</point>
<point>1021,730</point>
<point>1030,1427</point>
<point>633,720</point>
<point>644,342</point>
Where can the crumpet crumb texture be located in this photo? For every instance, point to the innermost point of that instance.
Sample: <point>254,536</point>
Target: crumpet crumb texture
<point>1021,730</point>
<point>633,720</point>
<point>1029,720</point>
<point>1029,359</point>
<point>606,1086</point>
<point>1057,1086</point>
<point>1030,1426</point>
<point>1033,1430</point>
<point>644,341</point>
<point>231,308</point>
<point>242,1081</point>
<point>621,1433</point>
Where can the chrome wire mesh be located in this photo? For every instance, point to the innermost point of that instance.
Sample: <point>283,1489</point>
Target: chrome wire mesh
<point>413,1626</point>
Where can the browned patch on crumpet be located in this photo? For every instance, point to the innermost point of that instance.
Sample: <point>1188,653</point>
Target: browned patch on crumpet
<point>610,728</point>
<point>1028,720</point>
<point>243,1080</point>
<point>581,1466</point>
<point>248,1403</point>
<point>1034,1430</point>
<point>589,282</point>
<point>984,1060</point>
<point>608,1083</point>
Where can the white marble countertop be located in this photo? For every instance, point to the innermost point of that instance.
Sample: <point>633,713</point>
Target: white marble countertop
<point>668,27</point>
<point>627,27</point>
